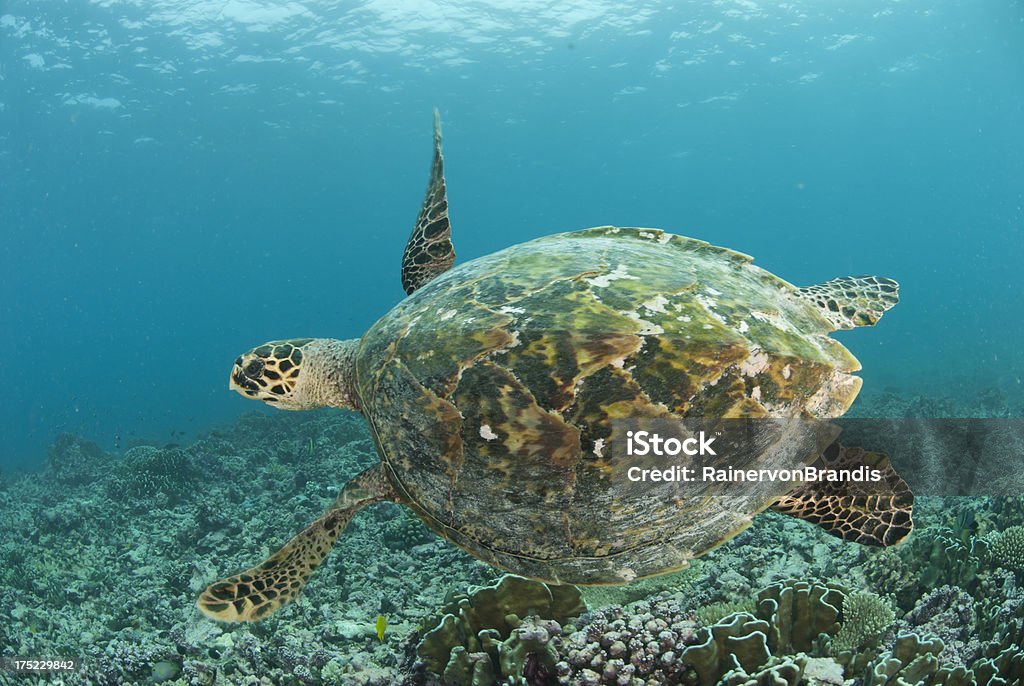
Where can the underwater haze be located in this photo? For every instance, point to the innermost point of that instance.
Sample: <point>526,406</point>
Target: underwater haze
<point>183,180</point>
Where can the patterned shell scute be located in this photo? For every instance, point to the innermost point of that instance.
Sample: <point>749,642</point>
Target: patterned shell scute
<point>492,389</point>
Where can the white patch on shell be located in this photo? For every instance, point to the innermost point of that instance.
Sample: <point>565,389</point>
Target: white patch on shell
<point>510,309</point>
<point>618,362</point>
<point>605,279</point>
<point>830,400</point>
<point>685,318</point>
<point>648,234</point>
<point>486,433</point>
<point>744,327</point>
<point>664,238</point>
<point>756,363</point>
<point>445,315</point>
<point>646,328</point>
<point>599,447</point>
<point>756,394</point>
<point>709,304</point>
<point>773,318</point>
<point>656,304</point>
<point>787,372</point>
<point>628,575</point>
<point>712,291</point>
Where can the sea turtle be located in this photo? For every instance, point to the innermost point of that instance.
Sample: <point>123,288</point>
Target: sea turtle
<point>494,389</point>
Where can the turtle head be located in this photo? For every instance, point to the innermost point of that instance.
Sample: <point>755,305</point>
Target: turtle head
<point>298,374</point>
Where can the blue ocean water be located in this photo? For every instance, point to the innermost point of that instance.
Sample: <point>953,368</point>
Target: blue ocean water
<point>180,181</point>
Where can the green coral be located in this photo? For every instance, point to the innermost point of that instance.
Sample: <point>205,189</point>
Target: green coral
<point>1006,548</point>
<point>1003,659</point>
<point>932,557</point>
<point>951,559</point>
<point>1006,667</point>
<point>738,641</point>
<point>477,625</point>
<point>865,617</point>
<point>715,612</point>
<point>914,661</point>
<point>469,669</point>
<point>799,612</point>
<point>788,671</point>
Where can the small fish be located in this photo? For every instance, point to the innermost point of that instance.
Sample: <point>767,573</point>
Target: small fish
<point>382,625</point>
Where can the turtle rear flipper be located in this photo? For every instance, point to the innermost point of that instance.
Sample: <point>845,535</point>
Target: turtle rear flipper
<point>852,301</point>
<point>873,513</point>
<point>429,251</point>
<point>261,590</point>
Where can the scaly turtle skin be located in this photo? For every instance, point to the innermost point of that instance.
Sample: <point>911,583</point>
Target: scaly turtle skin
<point>494,391</point>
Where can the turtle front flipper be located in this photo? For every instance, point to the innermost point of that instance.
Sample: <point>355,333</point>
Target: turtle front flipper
<point>261,590</point>
<point>852,301</point>
<point>876,513</point>
<point>429,251</point>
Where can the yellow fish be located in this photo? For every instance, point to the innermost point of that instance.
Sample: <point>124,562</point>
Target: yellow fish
<point>382,624</point>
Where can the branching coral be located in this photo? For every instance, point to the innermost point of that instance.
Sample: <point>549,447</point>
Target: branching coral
<point>865,619</point>
<point>1006,548</point>
<point>710,614</point>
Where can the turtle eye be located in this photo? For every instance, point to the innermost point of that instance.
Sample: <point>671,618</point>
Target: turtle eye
<point>254,369</point>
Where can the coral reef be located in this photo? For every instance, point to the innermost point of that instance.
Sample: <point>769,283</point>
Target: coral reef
<point>1006,548</point>
<point>913,662</point>
<point>73,460</point>
<point>481,636</point>
<point>798,613</point>
<point>107,569</point>
<point>865,618</point>
<point>946,613</point>
<point>644,642</point>
<point>105,553</point>
<point>152,477</point>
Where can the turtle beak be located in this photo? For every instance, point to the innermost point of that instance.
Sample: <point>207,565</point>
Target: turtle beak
<point>240,381</point>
